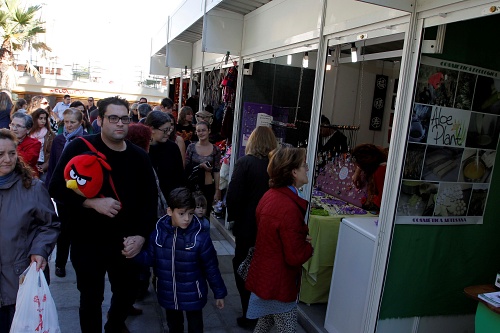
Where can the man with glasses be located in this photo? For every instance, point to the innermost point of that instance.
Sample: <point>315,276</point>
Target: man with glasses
<point>61,107</point>
<point>110,229</point>
<point>92,109</point>
<point>28,147</point>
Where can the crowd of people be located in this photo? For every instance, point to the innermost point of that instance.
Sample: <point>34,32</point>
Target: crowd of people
<point>154,176</point>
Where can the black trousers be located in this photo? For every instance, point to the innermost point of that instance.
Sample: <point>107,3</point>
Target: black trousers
<point>175,321</point>
<point>240,253</point>
<point>64,239</point>
<point>6,317</point>
<point>91,262</point>
<point>209,193</point>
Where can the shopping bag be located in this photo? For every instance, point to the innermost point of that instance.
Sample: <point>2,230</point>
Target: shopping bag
<point>35,309</point>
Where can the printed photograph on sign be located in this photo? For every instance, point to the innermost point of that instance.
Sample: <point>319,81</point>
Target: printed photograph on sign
<point>478,199</point>
<point>483,131</point>
<point>417,198</point>
<point>436,85</point>
<point>487,95</point>
<point>465,90</point>
<point>414,161</point>
<point>442,163</point>
<point>476,165</point>
<point>452,199</point>
<point>420,120</point>
<point>448,127</point>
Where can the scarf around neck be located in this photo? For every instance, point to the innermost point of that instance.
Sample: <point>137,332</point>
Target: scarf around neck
<point>71,136</point>
<point>5,179</point>
<point>40,134</point>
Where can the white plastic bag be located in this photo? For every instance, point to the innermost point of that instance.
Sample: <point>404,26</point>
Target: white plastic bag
<point>35,309</point>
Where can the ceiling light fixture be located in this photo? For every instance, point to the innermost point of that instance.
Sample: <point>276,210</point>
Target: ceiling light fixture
<point>354,53</point>
<point>289,59</point>
<point>305,60</point>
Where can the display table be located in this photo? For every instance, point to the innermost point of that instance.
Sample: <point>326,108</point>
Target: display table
<point>487,316</point>
<point>317,271</point>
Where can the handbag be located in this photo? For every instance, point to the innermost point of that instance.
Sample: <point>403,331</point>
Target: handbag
<point>195,178</point>
<point>162,203</point>
<point>35,307</point>
<point>244,267</point>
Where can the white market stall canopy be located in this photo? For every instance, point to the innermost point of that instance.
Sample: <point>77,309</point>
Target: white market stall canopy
<point>220,32</point>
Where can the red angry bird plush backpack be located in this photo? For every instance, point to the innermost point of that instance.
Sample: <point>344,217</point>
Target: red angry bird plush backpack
<point>85,173</point>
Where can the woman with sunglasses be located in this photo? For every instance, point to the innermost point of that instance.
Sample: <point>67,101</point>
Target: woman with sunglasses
<point>164,154</point>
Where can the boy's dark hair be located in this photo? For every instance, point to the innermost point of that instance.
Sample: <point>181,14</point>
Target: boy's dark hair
<point>181,198</point>
<point>200,199</point>
<point>102,105</point>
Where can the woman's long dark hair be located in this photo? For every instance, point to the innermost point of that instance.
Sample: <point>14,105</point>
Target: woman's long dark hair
<point>21,168</point>
<point>35,115</point>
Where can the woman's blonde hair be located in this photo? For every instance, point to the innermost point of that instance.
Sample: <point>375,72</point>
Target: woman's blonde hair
<point>282,162</point>
<point>261,142</point>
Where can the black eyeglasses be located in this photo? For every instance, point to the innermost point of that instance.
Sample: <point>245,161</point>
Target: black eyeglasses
<point>114,119</point>
<point>166,130</point>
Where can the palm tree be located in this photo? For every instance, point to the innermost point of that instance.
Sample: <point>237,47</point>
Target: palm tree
<point>19,28</point>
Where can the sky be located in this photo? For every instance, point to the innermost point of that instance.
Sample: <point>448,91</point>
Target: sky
<point>111,34</point>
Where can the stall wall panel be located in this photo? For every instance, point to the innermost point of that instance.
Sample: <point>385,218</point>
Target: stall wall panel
<point>352,101</point>
<point>190,12</point>
<point>347,14</point>
<point>437,262</point>
<point>223,32</point>
<point>281,23</point>
<point>214,60</point>
<point>157,65</point>
<point>179,54</point>
<point>197,55</point>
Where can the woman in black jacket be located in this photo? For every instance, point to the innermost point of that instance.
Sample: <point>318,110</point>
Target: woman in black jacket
<point>248,184</point>
<point>164,154</point>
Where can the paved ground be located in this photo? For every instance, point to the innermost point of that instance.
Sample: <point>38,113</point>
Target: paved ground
<point>66,297</point>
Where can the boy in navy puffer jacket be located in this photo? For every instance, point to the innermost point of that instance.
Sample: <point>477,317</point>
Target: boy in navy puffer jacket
<point>184,259</point>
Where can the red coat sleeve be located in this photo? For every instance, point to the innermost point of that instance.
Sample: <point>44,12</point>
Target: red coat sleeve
<point>379,177</point>
<point>29,150</point>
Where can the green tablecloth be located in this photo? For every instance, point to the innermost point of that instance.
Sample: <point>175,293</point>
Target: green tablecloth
<point>317,272</point>
<point>487,321</point>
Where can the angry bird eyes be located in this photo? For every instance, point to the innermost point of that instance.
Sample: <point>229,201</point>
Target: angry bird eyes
<point>80,181</point>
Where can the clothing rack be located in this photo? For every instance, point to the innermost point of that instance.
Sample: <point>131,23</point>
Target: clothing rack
<point>350,131</point>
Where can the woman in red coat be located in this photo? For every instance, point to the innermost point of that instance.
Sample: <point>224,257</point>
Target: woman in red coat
<point>282,245</point>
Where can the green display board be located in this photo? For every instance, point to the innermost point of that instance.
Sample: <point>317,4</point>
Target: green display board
<point>429,266</point>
